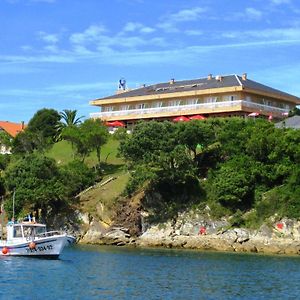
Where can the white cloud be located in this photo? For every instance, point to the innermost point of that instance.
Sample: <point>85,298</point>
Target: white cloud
<point>147,29</point>
<point>185,15</point>
<point>96,37</point>
<point>279,2</point>
<point>132,26</point>
<point>30,1</point>
<point>48,38</point>
<point>26,48</point>
<point>249,14</point>
<point>51,48</point>
<point>137,27</point>
<point>253,13</point>
<point>46,1</point>
<point>91,34</point>
<point>194,32</point>
<point>271,34</point>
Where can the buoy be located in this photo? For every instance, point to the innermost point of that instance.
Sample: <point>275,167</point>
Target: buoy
<point>31,245</point>
<point>4,250</point>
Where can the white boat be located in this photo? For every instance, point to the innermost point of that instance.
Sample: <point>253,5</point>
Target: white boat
<point>32,239</point>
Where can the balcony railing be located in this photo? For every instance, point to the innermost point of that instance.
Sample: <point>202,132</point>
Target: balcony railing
<point>143,112</point>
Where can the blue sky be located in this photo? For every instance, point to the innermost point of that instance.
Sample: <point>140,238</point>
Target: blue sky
<point>62,53</point>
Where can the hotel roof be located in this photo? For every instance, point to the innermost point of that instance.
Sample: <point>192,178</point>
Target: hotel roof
<point>228,81</point>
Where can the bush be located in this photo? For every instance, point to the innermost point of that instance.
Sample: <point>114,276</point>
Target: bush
<point>77,176</point>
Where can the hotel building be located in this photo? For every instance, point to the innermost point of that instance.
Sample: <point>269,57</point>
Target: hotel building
<point>213,96</point>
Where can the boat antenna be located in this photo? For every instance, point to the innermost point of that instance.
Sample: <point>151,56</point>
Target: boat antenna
<point>14,194</point>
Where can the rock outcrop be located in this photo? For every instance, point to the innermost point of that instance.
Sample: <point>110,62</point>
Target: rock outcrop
<point>195,230</point>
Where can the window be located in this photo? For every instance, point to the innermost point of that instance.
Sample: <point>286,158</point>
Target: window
<point>107,108</point>
<point>17,231</point>
<point>210,99</point>
<point>140,106</point>
<point>124,107</point>
<point>156,104</point>
<point>191,101</point>
<point>229,98</point>
<point>40,230</point>
<point>28,231</point>
<point>174,103</point>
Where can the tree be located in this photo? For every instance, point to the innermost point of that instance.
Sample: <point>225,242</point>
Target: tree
<point>87,136</point>
<point>96,135</point>
<point>233,184</point>
<point>76,176</point>
<point>45,123</point>
<point>27,142</point>
<point>36,180</point>
<point>154,155</point>
<point>199,138</point>
<point>5,139</point>
<point>68,118</point>
<point>78,140</point>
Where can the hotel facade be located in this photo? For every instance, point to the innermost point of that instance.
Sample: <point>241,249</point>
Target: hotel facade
<point>213,96</point>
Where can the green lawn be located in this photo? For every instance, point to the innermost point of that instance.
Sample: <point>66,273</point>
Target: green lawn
<point>99,200</point>
<point>63,153</point>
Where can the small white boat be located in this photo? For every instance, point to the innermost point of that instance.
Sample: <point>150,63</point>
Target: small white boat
<point>32,239</point>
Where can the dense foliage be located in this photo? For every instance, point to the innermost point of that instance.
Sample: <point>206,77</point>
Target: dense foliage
<point>86,137</point>
<point>40,185</point>
<point>40,133</point>
<point>241,164</point>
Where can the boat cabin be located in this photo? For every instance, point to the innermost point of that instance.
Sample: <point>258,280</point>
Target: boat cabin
<point>27,230</point>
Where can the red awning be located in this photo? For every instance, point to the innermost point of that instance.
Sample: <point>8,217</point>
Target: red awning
<point>181,119</point>
<point>115,124</point>
<point>197,117</point>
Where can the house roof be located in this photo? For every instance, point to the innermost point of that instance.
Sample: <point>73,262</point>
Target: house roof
<point>200,84</point>
<point>292,122</point>
<point>11,128</point>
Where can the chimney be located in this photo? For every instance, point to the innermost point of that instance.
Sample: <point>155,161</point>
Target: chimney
<point>172,81</point>
<point>219,78</point>
<point>244,76</point>
<point>209,77</point>
<point>22,125</point>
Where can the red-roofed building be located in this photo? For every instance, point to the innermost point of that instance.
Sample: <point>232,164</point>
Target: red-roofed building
<point>12,129</point>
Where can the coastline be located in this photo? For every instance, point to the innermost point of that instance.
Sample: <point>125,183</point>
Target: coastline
<point>281,237</point>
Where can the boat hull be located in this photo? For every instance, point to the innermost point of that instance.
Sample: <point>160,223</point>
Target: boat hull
<point>47,247</point>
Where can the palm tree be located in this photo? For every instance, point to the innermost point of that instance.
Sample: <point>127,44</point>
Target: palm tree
<point>68,118</point>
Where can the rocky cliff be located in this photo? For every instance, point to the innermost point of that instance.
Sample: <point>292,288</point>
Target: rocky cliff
<point>195,230</point>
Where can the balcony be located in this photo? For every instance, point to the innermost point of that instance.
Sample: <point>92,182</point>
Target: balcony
<point>203,108</point>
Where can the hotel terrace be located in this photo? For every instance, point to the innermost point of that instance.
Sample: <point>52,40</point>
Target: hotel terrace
<point>230,95</point>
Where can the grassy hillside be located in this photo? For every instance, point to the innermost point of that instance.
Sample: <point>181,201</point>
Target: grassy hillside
<point>63,153</point>
<point>101,196</point>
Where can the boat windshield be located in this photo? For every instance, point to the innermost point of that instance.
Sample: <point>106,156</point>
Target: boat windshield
<point>17,231</point>
<point>30,230</point>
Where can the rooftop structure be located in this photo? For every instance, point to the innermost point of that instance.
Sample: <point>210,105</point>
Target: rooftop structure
<point>230,95</point>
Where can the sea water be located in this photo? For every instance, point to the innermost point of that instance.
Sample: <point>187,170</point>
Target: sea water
<point>94,272</point>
